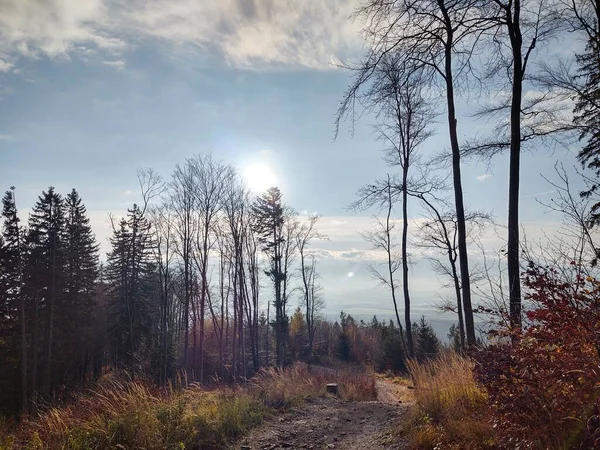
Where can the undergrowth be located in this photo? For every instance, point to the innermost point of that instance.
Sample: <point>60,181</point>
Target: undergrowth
<point>136,415</point>
<point>450,410</point>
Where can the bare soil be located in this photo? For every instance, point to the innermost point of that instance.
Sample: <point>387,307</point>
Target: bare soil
<point>331,423</point>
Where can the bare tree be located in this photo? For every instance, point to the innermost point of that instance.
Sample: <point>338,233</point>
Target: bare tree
<point>382,238</point>
<point>210,179</point>
<point>396,96</point>
<point>310,290</point>
<point>182,203</point>
<point>163,227</point>
<point>439,37</point>
<point>439,233</point>
<point>521,26</point>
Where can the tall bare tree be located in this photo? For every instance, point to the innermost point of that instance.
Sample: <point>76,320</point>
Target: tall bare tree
<point>383,239</point>
<point>307,231</point>
<point>439,37</point>
<point>520,27</point>
<point>210,180</point>
<point>439,233</point>
<point>397,98</point>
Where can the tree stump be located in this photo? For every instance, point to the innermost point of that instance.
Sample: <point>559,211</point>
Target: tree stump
<point>332,388</point>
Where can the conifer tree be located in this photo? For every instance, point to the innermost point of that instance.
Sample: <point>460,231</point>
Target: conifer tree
<point>427,343</point>
<point>269,221</point>
<point>13,343</point>
<point>81,275</point>
<point>44,277</point>
<point>587,108</point>
<point>133,288</point>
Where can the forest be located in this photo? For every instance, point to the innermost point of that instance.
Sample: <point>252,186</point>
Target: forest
<point>208,284</point>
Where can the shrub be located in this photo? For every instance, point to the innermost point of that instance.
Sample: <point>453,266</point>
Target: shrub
<point>543,384</point>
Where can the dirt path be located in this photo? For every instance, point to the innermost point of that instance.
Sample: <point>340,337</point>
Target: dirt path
<point>326,423</point>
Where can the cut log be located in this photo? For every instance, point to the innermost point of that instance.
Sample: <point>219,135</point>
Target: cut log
<point>332,388</point>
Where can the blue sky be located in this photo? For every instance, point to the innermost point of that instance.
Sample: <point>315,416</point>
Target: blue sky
<point>91,90</point>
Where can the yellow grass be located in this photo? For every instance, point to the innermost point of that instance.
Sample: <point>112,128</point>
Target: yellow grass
<point>136,415</point>
<point>450,410</point>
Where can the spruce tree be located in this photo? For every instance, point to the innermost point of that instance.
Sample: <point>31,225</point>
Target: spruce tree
<point>587,111</point>
<point>13,342</point>
<point>269,220</point>
<point>427,342</point>
<point>44,277</point>
<point>81,275</point>
<point>133,302</point>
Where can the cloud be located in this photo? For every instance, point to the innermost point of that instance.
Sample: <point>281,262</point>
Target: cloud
<point>245,33</point>
<point>6,137</point>
<point>5,66</point>
<point>55,27</point>
<point>119,63</point>
<point>484,177</point>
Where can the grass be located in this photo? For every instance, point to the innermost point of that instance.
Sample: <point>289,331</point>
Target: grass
<point>450,409</point>
<point>135,415</point>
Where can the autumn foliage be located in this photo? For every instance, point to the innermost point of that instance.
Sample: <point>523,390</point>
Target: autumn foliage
<point>543,380</point>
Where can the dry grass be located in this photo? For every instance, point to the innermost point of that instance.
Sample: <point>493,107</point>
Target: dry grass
<point>140,416</point>
<point>283,389</point>
<point>451,410</point>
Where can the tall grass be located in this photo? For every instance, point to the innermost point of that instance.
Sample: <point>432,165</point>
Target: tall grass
<point>451,410</point>
<point>281,389</point>
<point>136,415</point>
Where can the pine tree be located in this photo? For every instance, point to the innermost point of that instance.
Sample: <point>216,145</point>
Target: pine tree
<point>81,275</point>
<point>269,220</point>
<point>44,277</point>
<point>587,115</point>
<point>133,289</point>
<point>427,343</point>
<point>454,336</point>
<point>13,343</point>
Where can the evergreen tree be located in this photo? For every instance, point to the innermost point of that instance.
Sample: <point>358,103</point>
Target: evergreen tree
<point>427,342</point>
<point>133,288</point>
<point>269,220</point>
<point>44,278</point>
<point>390,355</point>
<point>81,276</point>
<point>587,114</point>
<point>13,343</point>
<point>454,336</point>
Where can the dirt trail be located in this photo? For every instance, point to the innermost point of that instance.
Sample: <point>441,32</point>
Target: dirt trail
<point>326,423</point>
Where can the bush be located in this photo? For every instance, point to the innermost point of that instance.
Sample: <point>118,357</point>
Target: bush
<point>543,381</point>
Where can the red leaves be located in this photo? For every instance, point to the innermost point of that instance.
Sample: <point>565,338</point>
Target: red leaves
<point>543,380</point>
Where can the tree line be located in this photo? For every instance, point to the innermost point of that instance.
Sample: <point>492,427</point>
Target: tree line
<point>182,287</point>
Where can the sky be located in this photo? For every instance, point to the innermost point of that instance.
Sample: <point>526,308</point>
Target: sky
<point>92,90</point>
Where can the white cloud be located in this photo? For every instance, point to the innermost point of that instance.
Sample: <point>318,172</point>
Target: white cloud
<point>247,34</point>
<point>484,177</point>
<point>6,137</point>
<point>119,63</point>
<point>54,27</point>
<point>5,66</point>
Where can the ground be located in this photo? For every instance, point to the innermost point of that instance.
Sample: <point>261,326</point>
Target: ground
<point>325,423</point>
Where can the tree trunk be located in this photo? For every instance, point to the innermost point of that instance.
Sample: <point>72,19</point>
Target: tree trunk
<point>514,275</point>
<point>407,321</point>
<point>390,271</point>
<point>457,181</point>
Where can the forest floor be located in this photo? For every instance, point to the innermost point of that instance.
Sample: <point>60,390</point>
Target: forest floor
<point>331,423</point>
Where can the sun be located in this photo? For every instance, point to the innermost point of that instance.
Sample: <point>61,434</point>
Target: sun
<point>259,177</point>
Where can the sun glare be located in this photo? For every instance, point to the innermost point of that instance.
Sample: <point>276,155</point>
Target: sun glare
<point>259,177</point>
